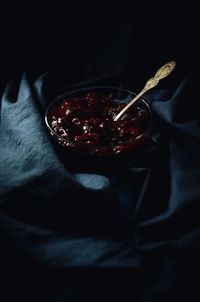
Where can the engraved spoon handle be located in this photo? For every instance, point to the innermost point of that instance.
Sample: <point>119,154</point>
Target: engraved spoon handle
<point>161,73</point>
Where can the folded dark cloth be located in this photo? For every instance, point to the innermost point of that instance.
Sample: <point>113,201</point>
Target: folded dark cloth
<point>70,233</point>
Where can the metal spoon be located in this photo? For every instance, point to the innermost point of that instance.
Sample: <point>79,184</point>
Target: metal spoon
<point>162,72</point>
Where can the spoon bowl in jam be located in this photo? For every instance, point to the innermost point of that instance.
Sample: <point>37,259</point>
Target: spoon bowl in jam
<point>82,121</point>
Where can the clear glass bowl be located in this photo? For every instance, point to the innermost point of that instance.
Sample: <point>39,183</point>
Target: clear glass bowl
<point>118,95</point>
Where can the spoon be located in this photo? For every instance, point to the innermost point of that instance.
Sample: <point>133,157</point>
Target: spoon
<point>162,72</point>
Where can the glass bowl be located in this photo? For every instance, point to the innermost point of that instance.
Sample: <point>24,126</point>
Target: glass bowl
<point>115,97</point>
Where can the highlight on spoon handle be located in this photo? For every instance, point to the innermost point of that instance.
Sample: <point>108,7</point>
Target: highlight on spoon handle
<point>150,84</point>
<point>161,73</point>
<point>138,96</point>
<point>165,70</point>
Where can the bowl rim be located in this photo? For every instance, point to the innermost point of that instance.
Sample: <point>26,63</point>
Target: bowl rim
<point>85,88</point>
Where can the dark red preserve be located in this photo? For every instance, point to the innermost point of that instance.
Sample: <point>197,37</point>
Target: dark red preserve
<point>88,122</point>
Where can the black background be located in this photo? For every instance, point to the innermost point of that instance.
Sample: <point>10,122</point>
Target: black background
<point>83,39</point>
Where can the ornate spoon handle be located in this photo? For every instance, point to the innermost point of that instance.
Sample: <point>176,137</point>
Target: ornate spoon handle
<point>162,72</point>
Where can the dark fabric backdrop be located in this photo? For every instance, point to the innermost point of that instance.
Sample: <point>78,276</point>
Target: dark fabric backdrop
<point>99,233</point>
